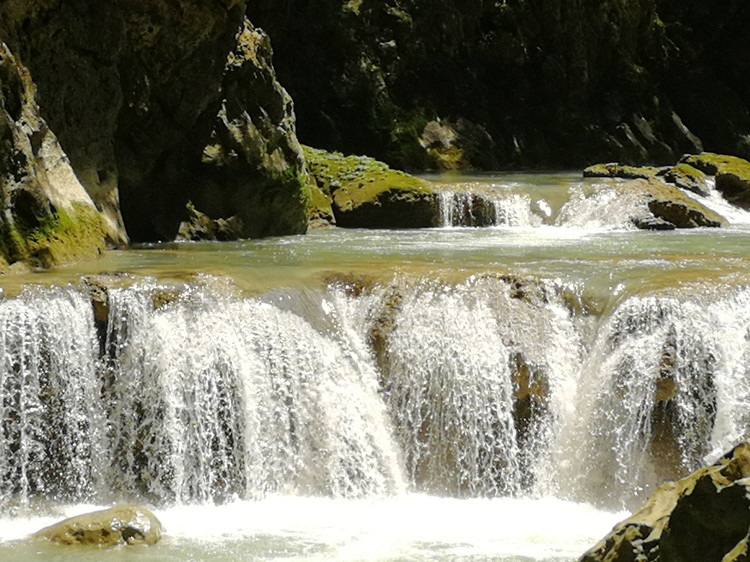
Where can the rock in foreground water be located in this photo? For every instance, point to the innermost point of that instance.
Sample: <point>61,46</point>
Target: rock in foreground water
<point>119,525</point>
<point>702,518</point>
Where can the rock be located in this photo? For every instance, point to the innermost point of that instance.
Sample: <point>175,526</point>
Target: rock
<point>554,83</point>
<point>458,146</point>
<point>732,175</point>
<point>157,104</point>
<point>702,518</point>
<point>366,193</point>
<point>119,525</point>
<point>615,170</point>
<point>667,204</point>
<point>687,177</point>
<point>199,226</point>
<point>47,216</point>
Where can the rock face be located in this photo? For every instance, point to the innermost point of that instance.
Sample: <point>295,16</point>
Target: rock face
<point>702,518</point>
<point>46,216</point>
<point>157,104</point>
<point>119,525</point>
<point>553,83</point>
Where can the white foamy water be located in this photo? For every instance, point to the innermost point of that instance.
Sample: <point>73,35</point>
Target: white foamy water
<point>410,527</point>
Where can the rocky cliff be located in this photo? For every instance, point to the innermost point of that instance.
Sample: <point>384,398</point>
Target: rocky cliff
<point>456,83</point>
<point>153,105</point>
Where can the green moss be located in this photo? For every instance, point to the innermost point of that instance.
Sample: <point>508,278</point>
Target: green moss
<point>712,164</point>
<point>66,237</point>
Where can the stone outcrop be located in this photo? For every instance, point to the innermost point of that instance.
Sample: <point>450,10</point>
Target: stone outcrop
<point>365,193</point>
<point>702,518</point>
<point>118,526</point>
<point>156,104</point>
<point>46,215</point>
<point>554,83</point>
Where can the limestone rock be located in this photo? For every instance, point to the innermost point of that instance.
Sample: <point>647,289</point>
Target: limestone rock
<point>47,216</point>
<point>615,170</point>
<point>702,518</point>
<point>366,193</point>
<point>689,178</point>
<point>119,525</point>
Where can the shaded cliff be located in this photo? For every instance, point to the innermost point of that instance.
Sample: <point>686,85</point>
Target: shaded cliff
<point>514,83</point>
<point>160,103</point>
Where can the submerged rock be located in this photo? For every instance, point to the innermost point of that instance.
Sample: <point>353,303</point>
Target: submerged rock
<point>702,518</point>
<point>119,525</point>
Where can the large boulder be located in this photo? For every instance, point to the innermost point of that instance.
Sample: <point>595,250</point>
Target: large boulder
<point>118,526</point>
<point>46,215</point>
<point>702,518</point>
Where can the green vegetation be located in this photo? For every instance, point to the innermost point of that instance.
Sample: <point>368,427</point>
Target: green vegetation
<point>60,238</point>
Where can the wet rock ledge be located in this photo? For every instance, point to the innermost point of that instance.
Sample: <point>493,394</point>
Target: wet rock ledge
<point>702,518</point>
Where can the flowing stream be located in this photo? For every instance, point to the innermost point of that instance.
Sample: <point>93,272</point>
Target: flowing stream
<point>502,393</point>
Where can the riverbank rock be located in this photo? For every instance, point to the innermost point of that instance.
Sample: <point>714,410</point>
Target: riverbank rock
<point>667,207</point>
<point>199,226</point>
<point>118,526</point>
<point>702,518</point>
<point>732,175</point>
<point>365,193</point>
<point>47,217</point>
<point>156,104</point>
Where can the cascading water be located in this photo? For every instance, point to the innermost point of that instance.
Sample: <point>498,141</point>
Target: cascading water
<point>51,419</point>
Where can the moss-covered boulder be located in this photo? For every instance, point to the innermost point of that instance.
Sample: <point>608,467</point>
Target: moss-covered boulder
<point>118,526</point>
<point>732,175</point>
<point>615,170</point>
<point>46,215</point>
<point>702,518</point>
<point>365,193</point>
<point>666,205</point>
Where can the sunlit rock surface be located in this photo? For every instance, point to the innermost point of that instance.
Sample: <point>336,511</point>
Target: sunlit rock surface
<point>703,518</point>
<point>119,525</point>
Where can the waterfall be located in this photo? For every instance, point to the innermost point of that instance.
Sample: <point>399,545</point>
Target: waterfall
<point>490,386</point>
<point>51,419</point>
<point>490,208</point>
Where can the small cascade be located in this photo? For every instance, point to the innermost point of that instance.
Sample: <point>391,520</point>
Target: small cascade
<point>715,201</point>
<point>51,420</point>
<point>515,211</point>
<point>489,208</point>
<point>598,208</point>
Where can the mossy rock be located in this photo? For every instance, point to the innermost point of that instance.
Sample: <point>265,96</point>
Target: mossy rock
<point>615,170</point>
<point>63,237</point>
<point>687,177</point>
<point>667,205</point>
<point>704,517</point>
<point>117,526</point>
<point>732,175</point>
<point>365,193</point>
